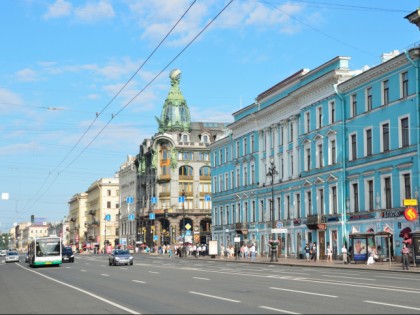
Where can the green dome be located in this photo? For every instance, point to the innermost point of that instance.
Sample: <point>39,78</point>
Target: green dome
<point>175,114</point>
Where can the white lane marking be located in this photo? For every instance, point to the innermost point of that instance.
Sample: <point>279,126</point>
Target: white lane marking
<point>82,270</point>
<point>304,292</point>
<point>198,278</point>
<point>341,277</point>
<point>104,274</point>
<point>277,310</point>
<point>153,272</point>
<point>123,268</point>
<point>215,297</point>
<point>399,278</point>
<point>68,267</point>
<point>138,281</point>
<point>394,305</point>
<point>106,300</point>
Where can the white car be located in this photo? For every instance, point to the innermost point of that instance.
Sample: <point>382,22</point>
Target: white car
<point>3,252</point>
<point>12,256</point>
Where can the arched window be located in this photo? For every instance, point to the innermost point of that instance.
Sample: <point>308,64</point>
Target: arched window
<point>186,170</point>
<point>205,171</point>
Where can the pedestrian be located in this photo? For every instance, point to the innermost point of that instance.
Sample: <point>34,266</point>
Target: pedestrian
<point>370,260</point>
<point>169,251</point>
<point>307,252</point>
<point>329,254</point>
<point>222,251</point>
<point>405,256</point>
<point>344,253</point>
<point>252,251</point>
<point>314,249</point>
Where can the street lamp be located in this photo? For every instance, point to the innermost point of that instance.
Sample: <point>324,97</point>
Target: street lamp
<point>184,249</point>
<point>271,173</point>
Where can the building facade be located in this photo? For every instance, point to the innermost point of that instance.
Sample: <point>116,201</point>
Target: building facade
<point>321,156</point>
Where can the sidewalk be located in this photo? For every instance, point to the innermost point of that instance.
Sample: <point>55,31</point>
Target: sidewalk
<point>394,266</point>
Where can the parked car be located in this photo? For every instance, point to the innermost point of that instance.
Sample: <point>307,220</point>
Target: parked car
<point>120,257</point>
<point>12,256</point>
<point>67,253</point>
<point>3,252</point>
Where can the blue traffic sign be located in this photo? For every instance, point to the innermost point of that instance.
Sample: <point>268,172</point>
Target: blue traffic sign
<point>153,200</point>
<point>152,216</point>
<point>131,216</point>
<point>207,197</point>
<point>129,200</point>
<point>108,217</point>
<point>181,199</point>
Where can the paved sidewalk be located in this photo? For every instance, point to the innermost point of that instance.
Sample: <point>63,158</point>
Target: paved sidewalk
<point>394,266</point>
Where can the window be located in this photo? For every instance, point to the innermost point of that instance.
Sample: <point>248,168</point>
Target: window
<point>238,178</point>
<point>407,186</point>
<point>369,99</point>
<point>332,112</point>
<point>370,196</point>
<point>355,191</point>
<point>108,204</point>
<point>388,192</point>
<point>319,117</point>
<point>281,135</point>
<point>405,138</point>
<point>333,156</point>
<point>309,202</point>
<point>252,174</point>
<point>308,158</point>
<point>307,122</point>
<point>334,199</point>
<point>321,202</point>
<point>368,134</point>
<point>291,132</point>
<point>237,149</point>
<point>385,92</point>
<point>220,157</point>
<point>404,84</point>
<point>205,171</point>
<point>245,146</point>
<point>272,132</point>
<point>320,157</point>
<point>185,138</point>
<point>353,148</point>
<point>205,139</point>
<point>227,181</point>
<point>297,206</point>
<point>245,175</point>
<point>353,109</point>
<point>288,207</point>
<point>385,137</point>
<point>232,180</point>
<point>252,144</point>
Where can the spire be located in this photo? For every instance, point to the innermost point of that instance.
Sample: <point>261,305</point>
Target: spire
<point>175,114</point>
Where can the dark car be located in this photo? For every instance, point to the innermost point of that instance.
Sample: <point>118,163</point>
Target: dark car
<point>27,257</point>
<point>120,257</point>
<point>68,255</point>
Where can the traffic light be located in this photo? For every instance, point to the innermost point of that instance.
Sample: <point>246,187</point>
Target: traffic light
<point>32,218</point>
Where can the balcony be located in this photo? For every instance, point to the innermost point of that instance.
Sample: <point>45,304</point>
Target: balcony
<point>205,177</point>
<point>165,194</point>
<point>186,177</point>
<point>314,222</point>
<point>164,178</point>
<point>92,212</point>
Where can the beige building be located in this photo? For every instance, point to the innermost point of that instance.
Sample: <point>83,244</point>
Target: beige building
<point>77,219</point>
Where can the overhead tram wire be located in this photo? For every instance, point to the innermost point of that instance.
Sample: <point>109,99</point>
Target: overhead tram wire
<point>103,109</point>
<point>148,84</point>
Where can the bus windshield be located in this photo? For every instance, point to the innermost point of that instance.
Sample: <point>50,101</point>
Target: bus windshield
<point>48,247</point>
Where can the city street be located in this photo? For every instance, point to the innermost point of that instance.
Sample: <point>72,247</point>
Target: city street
<point>163,285</point>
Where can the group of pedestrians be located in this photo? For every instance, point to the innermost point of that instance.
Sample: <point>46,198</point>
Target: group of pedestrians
<point>310,252</point>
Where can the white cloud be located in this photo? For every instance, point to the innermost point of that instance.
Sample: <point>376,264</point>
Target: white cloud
<point>95,11</point>
<point>58,9</point>
<point>26,75</point>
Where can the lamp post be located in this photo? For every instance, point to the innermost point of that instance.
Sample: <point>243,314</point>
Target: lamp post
<point>105,235</point>
<point>184,249</point>
<point>271,173</point>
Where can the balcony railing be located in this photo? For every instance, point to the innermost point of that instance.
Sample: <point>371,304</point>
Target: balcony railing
<point>313,219</point>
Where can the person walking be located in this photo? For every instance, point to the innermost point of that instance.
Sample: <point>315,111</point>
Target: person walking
<point>344,253</point>
<point>314,249</point>
<point>370,260</point>
<point>405,252</point>
<point>329,254</point>
<point>307,251</point>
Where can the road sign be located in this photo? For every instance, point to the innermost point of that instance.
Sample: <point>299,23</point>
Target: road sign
<point>131,216</point>
<point>188,226</point>
<point>280,231</point>
<point>108,217</point>
<point>411,214</point>
<point>279,224</point>
<point>129,200</point>
<point>152,216</point>
<point>153,200</point>
<point>156,238</point>
<point>237,239</point>
<point>181,199</point>
<point>410,202</point>
<point>207,198</point>
<point>188,233</point>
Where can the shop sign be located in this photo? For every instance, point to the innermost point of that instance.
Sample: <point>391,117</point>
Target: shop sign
<point>391,213</point>
<point>362,216</point>
<point>410,214</point>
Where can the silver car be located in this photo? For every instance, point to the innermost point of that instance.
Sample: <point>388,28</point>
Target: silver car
<point>12,256</point>
<point>120,257</point>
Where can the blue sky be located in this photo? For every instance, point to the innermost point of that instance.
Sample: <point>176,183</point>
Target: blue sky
<point>65,120</point>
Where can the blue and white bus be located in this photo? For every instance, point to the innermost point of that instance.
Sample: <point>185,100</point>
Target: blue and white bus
<point>45,251</point>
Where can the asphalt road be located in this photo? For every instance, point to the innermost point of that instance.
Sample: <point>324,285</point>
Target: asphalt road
<point>159,285</point>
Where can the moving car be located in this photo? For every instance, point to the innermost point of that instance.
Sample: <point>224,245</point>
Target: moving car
<point>68,255</point>
<point>3,252</point>
<point>27,257</point>
<point>120,257</point>
<point>12,256</point>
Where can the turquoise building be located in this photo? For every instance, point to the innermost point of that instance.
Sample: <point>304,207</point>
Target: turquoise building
<point>323,156</point>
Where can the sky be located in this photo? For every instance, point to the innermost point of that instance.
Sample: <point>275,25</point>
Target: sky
<point>81,82</point>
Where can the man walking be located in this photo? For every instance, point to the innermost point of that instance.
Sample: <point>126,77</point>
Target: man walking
<point>405,258</point>
<point>344,253</point>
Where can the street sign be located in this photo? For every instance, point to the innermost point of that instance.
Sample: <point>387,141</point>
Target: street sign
<point>131,216</point>
<point>237,239</point>
<point>411,214</point>
<point>156,238</point>
<point>410,202</point>
<point>153,200</point>
<point>207,197</point>
<point>108,217</point>
<point>188,226</point>
<point>129,200</point>
<point>279,224</point>
<point>152,216</point>
<point>181,199</point>
<point>280,231</point>
<point>188,233</point>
